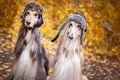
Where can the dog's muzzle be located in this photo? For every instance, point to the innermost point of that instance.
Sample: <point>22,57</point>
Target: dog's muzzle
<point>71,36</point>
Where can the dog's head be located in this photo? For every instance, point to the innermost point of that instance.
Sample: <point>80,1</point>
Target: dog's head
<point>76,26</point>
<point>32,15</point>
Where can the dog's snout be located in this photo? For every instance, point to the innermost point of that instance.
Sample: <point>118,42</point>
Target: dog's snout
<point>28,22</point>
<point>71,36</point>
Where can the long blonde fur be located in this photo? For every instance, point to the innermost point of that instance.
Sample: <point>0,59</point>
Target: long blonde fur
<point>69,59</point>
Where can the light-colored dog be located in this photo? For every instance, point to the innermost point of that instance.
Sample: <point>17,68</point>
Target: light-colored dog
<point>70,57</point>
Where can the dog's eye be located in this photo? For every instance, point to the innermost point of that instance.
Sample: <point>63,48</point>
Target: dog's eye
<point>36,14</point>
<point>79,26</point>
<point>70,25</point>
<point>27,13</point>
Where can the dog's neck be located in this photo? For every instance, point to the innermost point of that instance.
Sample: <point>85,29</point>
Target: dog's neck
<point>70,46</point>
<point>33,34</point>
<point>27,36</point>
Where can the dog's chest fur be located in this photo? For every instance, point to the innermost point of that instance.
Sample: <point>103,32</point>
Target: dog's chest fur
<point>26,66</point>
<point>68,64</point>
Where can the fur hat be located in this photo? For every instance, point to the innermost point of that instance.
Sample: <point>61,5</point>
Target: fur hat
<point>33,6</point>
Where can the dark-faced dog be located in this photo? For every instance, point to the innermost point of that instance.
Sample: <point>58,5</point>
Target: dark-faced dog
<point>31,62</point>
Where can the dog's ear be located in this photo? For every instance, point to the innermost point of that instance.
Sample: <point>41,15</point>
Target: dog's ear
<point>84,29</point>
<point>60,29</point>
<point>39,22</point>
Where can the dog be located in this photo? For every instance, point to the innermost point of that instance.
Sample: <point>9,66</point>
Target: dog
<point>70,57</point>
<point>31,61</point>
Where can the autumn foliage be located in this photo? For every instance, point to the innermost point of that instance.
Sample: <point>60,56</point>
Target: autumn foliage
<point>103,17</point>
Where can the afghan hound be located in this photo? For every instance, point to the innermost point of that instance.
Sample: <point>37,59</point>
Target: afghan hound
<point>70,58</point>
<point>31,58</point>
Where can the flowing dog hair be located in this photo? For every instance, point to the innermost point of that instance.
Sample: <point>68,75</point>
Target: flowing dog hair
<point>70,58</point>
<point>31,58</point>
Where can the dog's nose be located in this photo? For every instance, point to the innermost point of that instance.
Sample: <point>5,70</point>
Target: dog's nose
<point>71,36</point>
<point>28,22</point>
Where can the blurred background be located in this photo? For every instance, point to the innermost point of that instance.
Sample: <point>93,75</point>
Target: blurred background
<point>102,38</point>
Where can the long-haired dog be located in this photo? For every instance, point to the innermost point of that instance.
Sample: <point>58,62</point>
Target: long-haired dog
<point>31,59</point>
<point>70,58</point>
